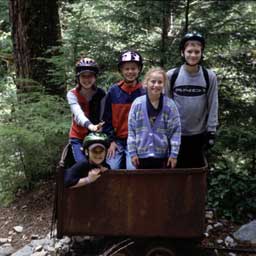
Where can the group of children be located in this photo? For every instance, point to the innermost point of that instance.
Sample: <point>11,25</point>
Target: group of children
<point>165,121</point>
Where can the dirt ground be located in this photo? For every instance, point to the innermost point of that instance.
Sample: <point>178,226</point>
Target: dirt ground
<point>33,211</point>
<point>30,210</point>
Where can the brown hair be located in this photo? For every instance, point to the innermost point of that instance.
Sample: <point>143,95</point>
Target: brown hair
<point>193,43</point>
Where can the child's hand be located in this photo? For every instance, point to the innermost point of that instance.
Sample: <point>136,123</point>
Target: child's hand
<point>112,150</point>
<point>100,126</point>
<point>93,128</point>
<point>172,162</point>
<point>93,175</point>
<point>96,127</point>
<point>103,168</point>
<point>135,161</point>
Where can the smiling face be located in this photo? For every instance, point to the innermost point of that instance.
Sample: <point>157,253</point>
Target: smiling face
<point>192,52</point>
<point>87,79</point>
<point>155,84</point>
<point>97,155</point>
<point>130,71</point>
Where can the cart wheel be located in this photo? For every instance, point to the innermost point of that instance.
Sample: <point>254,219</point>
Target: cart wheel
<point>124,253</point>
<point>116,248</point>
<point>160,251</point>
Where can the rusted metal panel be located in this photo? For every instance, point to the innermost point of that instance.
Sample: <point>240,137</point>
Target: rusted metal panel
<point>143,203</point>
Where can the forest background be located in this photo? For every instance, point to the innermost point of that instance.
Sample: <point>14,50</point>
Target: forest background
<point>40,41</point>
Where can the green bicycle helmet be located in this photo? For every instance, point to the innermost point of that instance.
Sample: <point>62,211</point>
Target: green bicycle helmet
<point>96,138</point>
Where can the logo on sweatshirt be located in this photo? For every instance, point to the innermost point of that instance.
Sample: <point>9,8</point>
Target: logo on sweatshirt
<point>190,90</point>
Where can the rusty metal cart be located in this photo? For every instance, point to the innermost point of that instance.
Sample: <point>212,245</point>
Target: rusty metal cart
<point>143,205</point>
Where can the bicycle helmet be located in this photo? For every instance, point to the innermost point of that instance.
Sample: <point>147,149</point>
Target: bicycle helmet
<point>96,139</point>
<point>195,36</point>
<point>86,64</point>
<point>130,56</point>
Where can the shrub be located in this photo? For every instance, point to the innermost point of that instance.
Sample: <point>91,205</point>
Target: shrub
<point>33,131</point>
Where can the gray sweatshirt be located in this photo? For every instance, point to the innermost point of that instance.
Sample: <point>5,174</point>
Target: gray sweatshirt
<point>197,106</point>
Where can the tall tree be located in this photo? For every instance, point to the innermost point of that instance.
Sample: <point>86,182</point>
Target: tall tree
<point>35,28</point>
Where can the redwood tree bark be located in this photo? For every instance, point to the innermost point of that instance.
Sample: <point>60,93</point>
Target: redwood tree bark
<point>35,28</point>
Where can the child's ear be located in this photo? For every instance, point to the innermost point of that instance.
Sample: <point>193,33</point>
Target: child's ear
<point>86,152</point>
<point>182,53</point>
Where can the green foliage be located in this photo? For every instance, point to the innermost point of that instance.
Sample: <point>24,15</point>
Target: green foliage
<point>231,188</point>
<point>4,18</point>
<point>101,29</point>
<point>5,47</point>
<point>232,179</point>
<point>33,131</point>
<point>5,51</point>
<point>229,28</point>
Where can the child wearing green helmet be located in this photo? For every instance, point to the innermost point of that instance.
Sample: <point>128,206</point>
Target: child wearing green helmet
<point>84,172</point>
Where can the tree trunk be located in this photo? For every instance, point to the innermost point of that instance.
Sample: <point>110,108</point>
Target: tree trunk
<point>35,28</point>
<point>166,22</point>
<point>187,17</point>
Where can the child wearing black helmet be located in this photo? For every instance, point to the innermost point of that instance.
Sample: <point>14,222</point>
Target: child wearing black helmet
<point>95,147</point>
<point>85,101</point>
<point>195,92</point>
<point>117,106</point>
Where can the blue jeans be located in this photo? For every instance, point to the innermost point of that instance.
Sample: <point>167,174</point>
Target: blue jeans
<point>77,149</point>
<point>115,162</point>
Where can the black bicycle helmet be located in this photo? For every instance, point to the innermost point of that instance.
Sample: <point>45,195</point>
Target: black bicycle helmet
<point>96,138</point>
<point>86,64</point>
<point>195,36</point>
<point>130,56</point>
